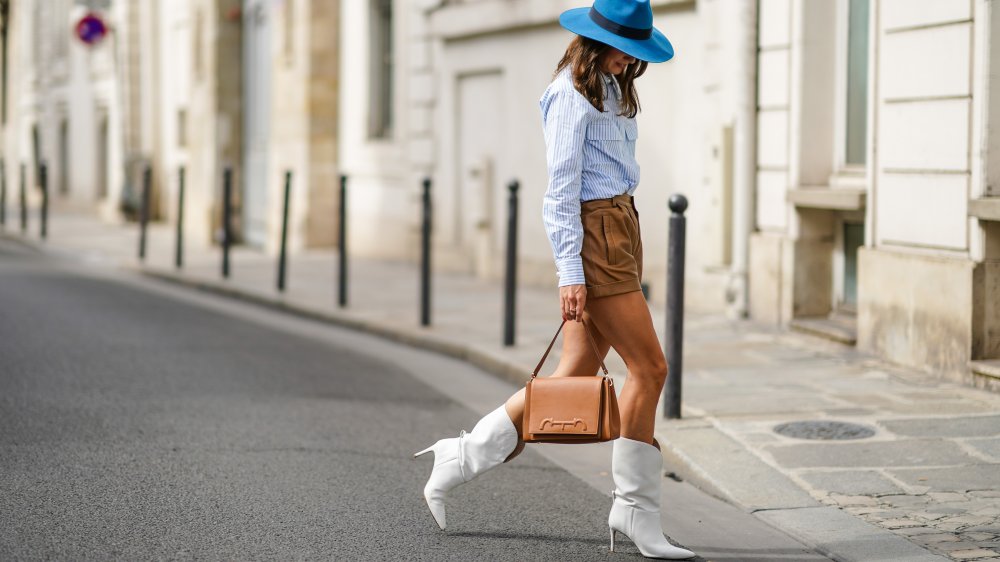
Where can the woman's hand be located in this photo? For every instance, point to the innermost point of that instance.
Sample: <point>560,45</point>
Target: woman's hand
<point>572,299</point>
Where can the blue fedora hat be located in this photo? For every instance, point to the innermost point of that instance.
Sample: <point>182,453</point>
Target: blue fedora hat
<point>626,25</point>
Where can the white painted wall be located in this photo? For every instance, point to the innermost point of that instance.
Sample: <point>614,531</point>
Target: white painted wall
<point>174,20</point>
<point>773,101</point>
<point>381,202</point>
<point>923,125</point>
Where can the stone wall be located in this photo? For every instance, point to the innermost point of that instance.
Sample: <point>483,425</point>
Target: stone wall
<point>917,310</point>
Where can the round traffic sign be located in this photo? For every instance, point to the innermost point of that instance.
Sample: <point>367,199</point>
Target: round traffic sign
<point>91,29</point>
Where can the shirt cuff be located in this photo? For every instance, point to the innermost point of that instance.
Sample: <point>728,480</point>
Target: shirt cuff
<point>570,271</point>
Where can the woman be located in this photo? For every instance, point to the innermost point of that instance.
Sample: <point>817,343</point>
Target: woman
<point>589,120</point>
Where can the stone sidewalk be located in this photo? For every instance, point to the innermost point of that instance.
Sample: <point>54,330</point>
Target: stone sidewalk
<point>924,485</point>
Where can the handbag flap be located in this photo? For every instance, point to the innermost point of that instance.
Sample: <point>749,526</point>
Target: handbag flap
<point>565,405</point>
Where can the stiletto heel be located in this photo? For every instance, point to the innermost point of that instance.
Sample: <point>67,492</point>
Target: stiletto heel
<point>635,513</point>
<point>425,451</point>
<point>612,539</point>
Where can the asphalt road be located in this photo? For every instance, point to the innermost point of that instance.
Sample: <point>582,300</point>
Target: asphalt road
<point>136,426</point>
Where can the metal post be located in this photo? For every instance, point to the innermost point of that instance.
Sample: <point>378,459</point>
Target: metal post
<point>675,307</point>
<point>510,276</point>
<point>342,245</point>
<point>227,214</point>
<point>425,257</point>
<point>3,192</point>
<point>144,211</point>
<point>283,255</point>
<point>43,182</point>
<point>23,198</point>
<point>179,251</point>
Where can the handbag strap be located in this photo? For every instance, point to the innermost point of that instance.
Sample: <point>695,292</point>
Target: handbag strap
<point>593,346</point>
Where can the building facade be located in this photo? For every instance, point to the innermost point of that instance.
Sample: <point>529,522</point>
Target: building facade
<point>840,157</point>
<point>876,169</point>
<point>61,106</point>
<point>203,85</point>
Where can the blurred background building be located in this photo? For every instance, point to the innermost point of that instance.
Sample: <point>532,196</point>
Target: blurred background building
<point>840,157</point>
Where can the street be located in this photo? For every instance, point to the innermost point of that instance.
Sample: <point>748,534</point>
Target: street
<point>141,426</point>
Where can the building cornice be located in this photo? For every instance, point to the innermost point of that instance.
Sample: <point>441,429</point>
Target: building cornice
<point>460,21</point>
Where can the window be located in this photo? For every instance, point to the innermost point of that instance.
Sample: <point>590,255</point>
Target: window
<point>853,239</point>
<point>289,32</point>
<point>60,30</point>
<point>4,28</point>
<point>198,56</point>
<point>64,157</point>
<point>181,127</point>
<point>102,155</point>
<point>380,112</point>
<point>857,83</point>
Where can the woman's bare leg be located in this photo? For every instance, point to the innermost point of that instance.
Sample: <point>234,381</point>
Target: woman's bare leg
<point>577,358</point>
<point>625,323</point>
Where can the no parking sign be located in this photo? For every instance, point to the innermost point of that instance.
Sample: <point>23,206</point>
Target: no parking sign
<point>91,29</point>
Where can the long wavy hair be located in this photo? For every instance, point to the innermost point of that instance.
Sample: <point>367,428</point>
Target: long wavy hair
<point>583,56</point>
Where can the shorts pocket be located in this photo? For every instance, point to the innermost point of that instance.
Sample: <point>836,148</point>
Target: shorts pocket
<point>610,239</point>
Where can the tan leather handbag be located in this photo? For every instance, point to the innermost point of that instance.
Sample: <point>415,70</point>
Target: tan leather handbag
<point>576,409</point>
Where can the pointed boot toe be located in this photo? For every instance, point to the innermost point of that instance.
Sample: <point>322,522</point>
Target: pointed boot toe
<point>437,510</point>
<point>460,459</point>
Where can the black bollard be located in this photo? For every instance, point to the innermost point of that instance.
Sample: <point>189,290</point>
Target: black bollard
<point>23,199</point>
<point>147,174</point>
<point>179,250</point>
<point>342,245</point>
<point>283,255</point>
<point>510,275</point>
<point>425,257</point>
<point>675,307</point>
<point>43,182</point>
<point>227,215</point>
<point>3,192</point>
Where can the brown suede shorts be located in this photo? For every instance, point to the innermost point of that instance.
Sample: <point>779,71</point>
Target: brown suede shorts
<point>612,248</point>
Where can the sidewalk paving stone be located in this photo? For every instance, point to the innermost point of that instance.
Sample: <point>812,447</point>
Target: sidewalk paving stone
<point>974,476</point>
<point>864,483</point>
<point>914,452</point>
<point>979,426</point>
<point>976,554</point>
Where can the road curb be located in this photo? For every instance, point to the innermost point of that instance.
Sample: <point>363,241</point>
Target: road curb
<point>418,338</point>
<point>20,240</point>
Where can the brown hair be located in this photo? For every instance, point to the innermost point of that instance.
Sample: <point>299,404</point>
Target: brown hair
<point>583,56</point>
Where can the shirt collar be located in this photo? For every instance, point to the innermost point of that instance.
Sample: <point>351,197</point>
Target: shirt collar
<point>611,83</point>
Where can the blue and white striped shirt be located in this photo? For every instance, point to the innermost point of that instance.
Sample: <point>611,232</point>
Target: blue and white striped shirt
<point>590,155</point>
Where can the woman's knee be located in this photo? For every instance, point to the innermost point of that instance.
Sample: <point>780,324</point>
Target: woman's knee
<point>652,372</point>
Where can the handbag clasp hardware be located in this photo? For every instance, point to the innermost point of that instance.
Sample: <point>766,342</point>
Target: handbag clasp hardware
<point>562,425</point>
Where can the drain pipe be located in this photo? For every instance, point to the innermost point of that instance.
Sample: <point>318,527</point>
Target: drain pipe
<point>744,158</point>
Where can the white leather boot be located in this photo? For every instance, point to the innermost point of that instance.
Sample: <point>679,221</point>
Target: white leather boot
<point>636,467</point>
<point>460,459</point>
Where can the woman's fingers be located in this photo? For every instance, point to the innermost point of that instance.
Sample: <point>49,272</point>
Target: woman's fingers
<point>572,300</point>
<point>581,302</point>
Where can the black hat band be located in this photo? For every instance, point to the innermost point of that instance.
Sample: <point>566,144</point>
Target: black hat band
<point>618,29</point>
